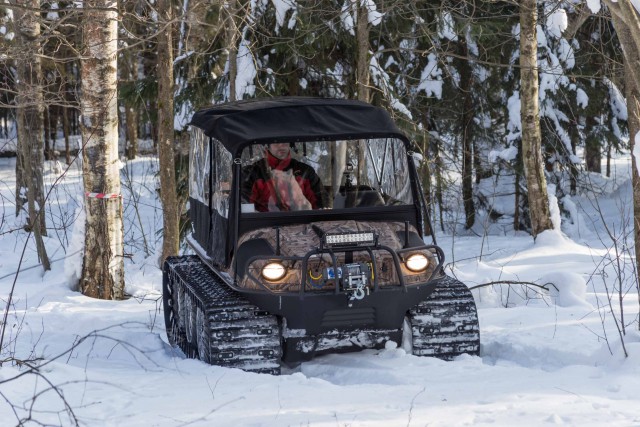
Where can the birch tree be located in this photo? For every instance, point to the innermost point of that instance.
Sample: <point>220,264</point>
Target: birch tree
<point>530,117</point>
<point>103,266</point>
<point>30,154</point>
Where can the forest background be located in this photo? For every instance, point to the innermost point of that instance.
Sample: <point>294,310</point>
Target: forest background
<point>519,102</point>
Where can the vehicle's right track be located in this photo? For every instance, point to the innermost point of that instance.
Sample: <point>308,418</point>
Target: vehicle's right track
<point>446,324</point>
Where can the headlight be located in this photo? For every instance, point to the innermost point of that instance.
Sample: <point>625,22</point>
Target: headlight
<point>273,271</point>
<point>417,262</point>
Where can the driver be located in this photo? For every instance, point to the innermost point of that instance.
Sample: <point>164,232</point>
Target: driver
<point>279,182</point>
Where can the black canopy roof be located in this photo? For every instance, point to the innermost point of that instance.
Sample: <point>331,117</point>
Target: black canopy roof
<point>291,119</point>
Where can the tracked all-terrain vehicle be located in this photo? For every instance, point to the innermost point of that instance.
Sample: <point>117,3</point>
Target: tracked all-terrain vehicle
<point>309,229</point>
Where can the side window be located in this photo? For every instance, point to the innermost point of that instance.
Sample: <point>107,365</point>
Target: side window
<point>199,166</point>
<point>221,179</point>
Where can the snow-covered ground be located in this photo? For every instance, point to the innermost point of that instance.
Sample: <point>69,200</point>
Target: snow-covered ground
<point>546,358</point>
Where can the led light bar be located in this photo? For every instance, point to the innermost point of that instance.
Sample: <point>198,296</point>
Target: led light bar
<point>350,239</point>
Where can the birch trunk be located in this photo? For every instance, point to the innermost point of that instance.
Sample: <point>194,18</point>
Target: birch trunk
<point>30,117</point>
<point>530,117</point>
<point>103,266</point>
<point>170,208</point>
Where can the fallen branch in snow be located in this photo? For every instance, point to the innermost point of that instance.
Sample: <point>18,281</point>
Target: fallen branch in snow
<point>515,282</point>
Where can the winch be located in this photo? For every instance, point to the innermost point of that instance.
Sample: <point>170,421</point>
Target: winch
<point>353,278</point>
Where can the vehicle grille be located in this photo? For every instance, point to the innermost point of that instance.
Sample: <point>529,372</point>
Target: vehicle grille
<point>349,317</point>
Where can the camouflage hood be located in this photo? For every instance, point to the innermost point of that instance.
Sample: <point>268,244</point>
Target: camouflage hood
<point>297,240</point>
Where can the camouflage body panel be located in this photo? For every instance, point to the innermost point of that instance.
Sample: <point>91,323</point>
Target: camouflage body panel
<point>298,240</point>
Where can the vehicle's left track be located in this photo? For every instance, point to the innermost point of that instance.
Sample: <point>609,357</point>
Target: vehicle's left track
<point>208,320</point>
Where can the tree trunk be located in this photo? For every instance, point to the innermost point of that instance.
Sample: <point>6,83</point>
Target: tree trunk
<point>21,180</point>
<point>131,117</point>
<point>424,172</point>
<point>170,208</point>
<point>232,33</point>
<point>362,72</point>
<point>573,168</point>
<point>30,119</point>
<point>633,108</point>
<point>516,208</point>
<point>362,40</point>
<point>628,30</point>
<point>626,21</point>
<point>47,132</point>
<point>466,121</point>
<point>608,169</point>
<point>592,146</point>
<point>439,168</point>
<point>530,117</point>
<point>103,266</point>
<point>65,131</point>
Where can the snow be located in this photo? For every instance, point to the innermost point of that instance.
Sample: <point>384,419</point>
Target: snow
<point>554,209</point>
<point>515,121</point>
<point>347,20</point>
<point>557,22</point>
<point>617,100</point>
<point>52,15</point>
<point>246,71</point>
<point>382,80</point>
<point>546,357</point>
<point>582,99</point>
<point>282,7</point>
<point>446,27</point>
<point>595,6</point>
<point>183,116</point>
<point>431,78</point>
<point>566,54</point>
<point>373,16</point>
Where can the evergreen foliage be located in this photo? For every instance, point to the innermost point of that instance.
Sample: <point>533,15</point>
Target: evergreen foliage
<point>446,70</point>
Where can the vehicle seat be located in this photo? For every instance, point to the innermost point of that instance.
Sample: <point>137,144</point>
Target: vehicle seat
<point>363,196</point>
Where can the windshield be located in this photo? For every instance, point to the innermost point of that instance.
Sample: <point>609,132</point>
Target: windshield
<point>325,175</point>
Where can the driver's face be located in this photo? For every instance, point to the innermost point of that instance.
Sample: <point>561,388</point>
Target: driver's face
<point>281,150</point>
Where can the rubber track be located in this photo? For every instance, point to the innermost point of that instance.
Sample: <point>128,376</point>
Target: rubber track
<point>216,324</point>
<point>446,324</point>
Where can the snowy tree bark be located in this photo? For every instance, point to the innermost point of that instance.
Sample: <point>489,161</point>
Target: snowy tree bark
<point>103,266</point>
<point>170,208</point>
<point>530,117</point>
<point>30,117</point>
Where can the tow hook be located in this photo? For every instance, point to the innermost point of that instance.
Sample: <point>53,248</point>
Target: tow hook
<point>358,293</point>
